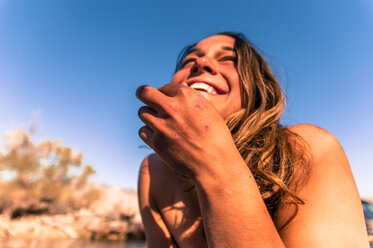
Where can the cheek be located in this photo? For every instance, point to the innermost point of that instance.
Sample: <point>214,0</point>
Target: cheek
<point>236,90</point>
<point>179,77</point>
<point>227,105</point>
<point>234,105</point>
<point>235,79</point>
<point>235,99</point>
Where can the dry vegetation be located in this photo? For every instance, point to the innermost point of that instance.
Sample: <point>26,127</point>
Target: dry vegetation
<point>42,176</point>
<point>50,195</point>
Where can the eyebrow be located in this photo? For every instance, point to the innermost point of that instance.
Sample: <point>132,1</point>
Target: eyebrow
<point>226,48</point>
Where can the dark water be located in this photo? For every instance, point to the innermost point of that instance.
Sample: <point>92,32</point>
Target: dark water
<point>68,244</point>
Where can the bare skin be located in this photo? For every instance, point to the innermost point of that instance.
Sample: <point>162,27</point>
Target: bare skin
<point>187,131</point>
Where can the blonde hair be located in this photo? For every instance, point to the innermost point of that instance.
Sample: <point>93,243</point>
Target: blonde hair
<point>276,156</point>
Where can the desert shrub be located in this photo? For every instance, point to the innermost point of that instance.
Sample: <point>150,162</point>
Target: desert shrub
<point>42,170</point>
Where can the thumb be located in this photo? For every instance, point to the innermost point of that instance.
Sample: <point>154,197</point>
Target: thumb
<point>171,89</point>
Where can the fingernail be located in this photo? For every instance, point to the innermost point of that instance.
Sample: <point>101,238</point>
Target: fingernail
<point>139,89</point>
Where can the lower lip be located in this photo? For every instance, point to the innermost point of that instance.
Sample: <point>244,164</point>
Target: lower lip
<point>207,94</point>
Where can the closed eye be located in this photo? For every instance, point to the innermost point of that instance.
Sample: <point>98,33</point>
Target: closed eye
<point>229,58</point>
<point>187,61</point>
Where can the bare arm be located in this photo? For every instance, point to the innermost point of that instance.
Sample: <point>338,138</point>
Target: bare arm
<point>191,137</point>
<point>332,215</point>
<point>234,214</point>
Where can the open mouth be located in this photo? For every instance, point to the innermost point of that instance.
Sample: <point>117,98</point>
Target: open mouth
<point>204,87</point>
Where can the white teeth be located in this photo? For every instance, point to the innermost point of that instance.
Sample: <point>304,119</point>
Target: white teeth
<point>204,87</point>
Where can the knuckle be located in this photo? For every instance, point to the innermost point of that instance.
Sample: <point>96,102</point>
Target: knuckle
<point>165,88</point>
<point>146,117</point>
<point>141,111</point>
<point>184,90</point>
<point>174,110</point>
<point>144,134</point>
<point>144,114</point>
<point>172,105</point>
<point>170,108</point>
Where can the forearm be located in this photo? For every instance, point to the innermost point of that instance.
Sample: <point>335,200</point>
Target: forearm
<point>233,212</point>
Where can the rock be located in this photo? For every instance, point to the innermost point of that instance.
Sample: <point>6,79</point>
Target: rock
<point>32,209</point>
<point>115,216</point>
<point>113,230</point>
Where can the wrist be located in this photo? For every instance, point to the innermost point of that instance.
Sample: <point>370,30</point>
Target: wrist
<point>216,174</point>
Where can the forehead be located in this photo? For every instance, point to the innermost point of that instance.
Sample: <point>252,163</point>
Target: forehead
<point>216,42</point>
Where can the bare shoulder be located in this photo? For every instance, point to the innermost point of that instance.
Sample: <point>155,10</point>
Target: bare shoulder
<point>151,166</point>
<point>329,160</point>
<point>332,214</point>
<point>150,162</point>
<point>170,213</point>
<point>155,178</point>
<point>149,170</point>
<point>151,175</point>
<point>319,140</point>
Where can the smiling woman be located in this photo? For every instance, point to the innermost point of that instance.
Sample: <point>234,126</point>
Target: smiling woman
<point>211,68</point>
<point>226,173</point>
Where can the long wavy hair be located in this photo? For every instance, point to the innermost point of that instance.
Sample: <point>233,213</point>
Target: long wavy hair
<point>277,157</point>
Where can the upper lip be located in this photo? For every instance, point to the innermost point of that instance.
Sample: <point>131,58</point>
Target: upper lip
<point>209,82</point>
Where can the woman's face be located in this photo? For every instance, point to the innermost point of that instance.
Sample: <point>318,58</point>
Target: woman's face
<point>211,69</point>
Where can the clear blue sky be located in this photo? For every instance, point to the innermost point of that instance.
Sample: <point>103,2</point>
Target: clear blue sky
<point>77,64</point>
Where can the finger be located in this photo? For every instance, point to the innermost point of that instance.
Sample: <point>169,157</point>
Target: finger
<point>146,135</point>
<point>169,89</point>
<point>173,89</point>
<point>152,97</point>
<point>149,116</point>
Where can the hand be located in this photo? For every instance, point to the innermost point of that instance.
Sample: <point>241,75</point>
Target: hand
<point>183,128</point>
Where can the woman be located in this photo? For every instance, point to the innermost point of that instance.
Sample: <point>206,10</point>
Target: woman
<point>226,173</point>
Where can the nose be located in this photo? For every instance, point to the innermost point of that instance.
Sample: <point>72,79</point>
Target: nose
<point>204,64</point>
